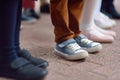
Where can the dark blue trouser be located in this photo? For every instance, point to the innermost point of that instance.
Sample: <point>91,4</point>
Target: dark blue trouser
<point>107,3</point>
<point>10,20</point>
<point>18,24</point>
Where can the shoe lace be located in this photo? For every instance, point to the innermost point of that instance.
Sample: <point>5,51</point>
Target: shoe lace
<point>86,41</point>
<point>73,46</point>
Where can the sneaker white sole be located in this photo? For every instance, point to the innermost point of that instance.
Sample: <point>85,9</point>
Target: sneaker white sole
<point>81,55</point>
<point>96,48</point>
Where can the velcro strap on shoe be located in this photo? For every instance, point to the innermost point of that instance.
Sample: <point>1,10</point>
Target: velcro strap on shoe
<point>19,62</point>
<point>24,53</point>
<point>63,44</point>
<point>82,37</point>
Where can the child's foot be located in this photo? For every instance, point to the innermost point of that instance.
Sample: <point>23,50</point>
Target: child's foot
<point>87,44</point>
<point>22,69</point>
<point>104,21</point>
<point>70,50</point>
<point>35,61</point>
<point>107,32</point>
<point>97,36</point>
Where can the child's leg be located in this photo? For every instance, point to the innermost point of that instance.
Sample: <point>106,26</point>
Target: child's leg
<point>66,46</point>
<point>109,9</point>
<point>7,29</point>
<point>60,19</point>
<point>17,28</point>
<point>87,23</point>
<point>75,8</point>
<point>75,11</point>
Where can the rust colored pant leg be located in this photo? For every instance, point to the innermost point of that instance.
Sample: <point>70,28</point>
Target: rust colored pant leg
<point>75,11</point>
<point>60,20</point>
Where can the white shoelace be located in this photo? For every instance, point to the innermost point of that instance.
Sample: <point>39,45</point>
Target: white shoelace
<point>73,46</point>
<point>86,41</point>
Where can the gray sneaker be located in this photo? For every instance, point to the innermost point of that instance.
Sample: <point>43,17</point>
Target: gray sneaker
<point>70,50</point>
<point>87,44</point>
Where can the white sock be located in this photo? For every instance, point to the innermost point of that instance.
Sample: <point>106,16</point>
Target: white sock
<point>88,14</point>
<point>37,6</point>
<point>87,21</point>
<point>98,7</point>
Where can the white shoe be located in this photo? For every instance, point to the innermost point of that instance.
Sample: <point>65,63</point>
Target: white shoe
<point>95,35</point>
<point>87,44</point>
<point>70,50</point>
<point>104,21</point>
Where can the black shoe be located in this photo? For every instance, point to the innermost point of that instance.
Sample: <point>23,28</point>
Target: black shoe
<point>45,8</point>
<point>111,12</point>
<point>36,61</point>
<point>34,14</point>
<point>21,69</point>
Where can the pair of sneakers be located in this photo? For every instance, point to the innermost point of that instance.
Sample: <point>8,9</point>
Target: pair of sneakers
<point>77,48</point>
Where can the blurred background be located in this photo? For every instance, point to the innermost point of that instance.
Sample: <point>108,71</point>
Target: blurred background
<point>37,36</point>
